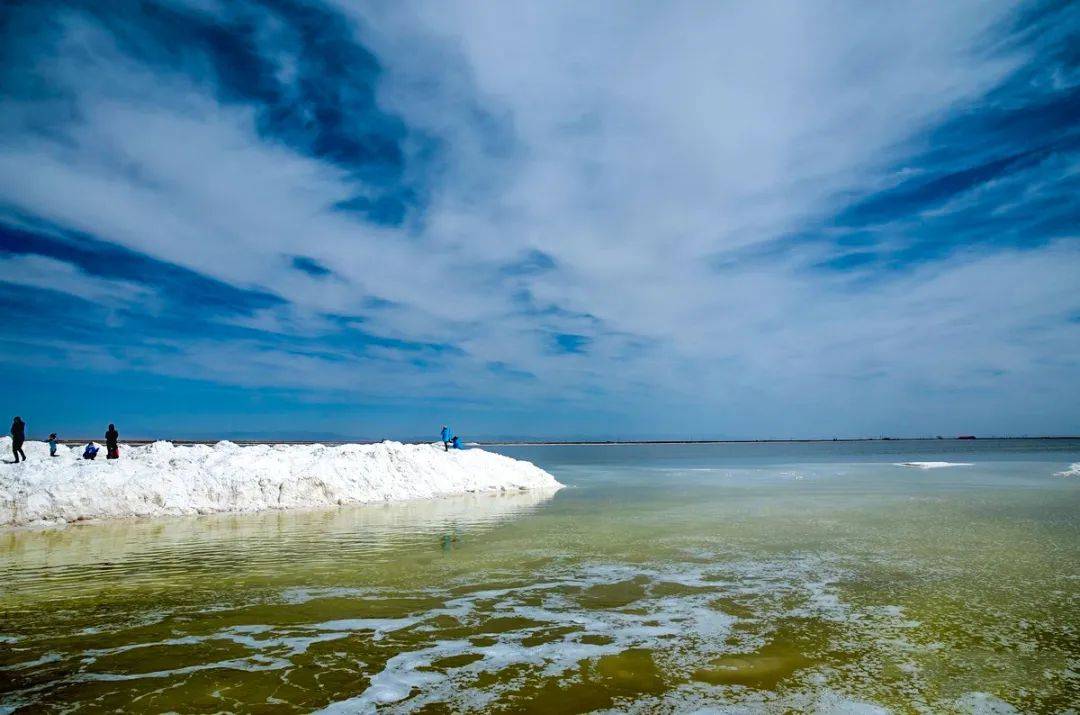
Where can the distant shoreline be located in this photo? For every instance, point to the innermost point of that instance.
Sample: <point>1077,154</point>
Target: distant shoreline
<point>600,443</point>
<point>574,443</point>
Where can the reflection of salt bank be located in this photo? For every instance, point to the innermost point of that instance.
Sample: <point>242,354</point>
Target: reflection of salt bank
<point>164,479</point>
<point>436,514</point>
<point>376,526</point>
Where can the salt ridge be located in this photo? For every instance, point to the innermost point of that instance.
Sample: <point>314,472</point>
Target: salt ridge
<point>165,479</point>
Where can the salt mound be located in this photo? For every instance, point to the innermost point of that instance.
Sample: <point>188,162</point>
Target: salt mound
<point>166,479</point>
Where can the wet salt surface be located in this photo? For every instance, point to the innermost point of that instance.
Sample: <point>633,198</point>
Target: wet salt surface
<point>860,588</point>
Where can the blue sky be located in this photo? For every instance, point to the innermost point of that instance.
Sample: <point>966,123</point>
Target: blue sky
<point>549,219</point>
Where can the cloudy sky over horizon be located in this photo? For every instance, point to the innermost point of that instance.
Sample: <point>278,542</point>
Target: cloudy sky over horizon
<point>555,219</point>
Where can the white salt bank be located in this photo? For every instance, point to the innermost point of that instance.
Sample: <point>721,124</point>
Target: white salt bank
<point>166,479</point>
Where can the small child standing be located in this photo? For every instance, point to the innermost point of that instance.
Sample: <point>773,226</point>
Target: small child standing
<point>52,444</point>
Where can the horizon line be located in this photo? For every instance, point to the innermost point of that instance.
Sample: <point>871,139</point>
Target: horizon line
<point>577,442</point>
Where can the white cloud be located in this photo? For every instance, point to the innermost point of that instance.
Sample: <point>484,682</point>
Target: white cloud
<point>60,276</point>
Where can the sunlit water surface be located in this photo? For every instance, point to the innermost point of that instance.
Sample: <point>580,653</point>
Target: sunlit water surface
<point>731,578</point>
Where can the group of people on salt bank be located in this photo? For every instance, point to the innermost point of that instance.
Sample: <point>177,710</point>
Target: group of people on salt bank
<point>112,448</point>
<point>18,438</point>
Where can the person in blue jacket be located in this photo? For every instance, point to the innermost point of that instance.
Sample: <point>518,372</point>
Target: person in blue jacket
<point>455,443</point>
<point>52,444</point>
<point>90,452</point>
<point>445,438</point>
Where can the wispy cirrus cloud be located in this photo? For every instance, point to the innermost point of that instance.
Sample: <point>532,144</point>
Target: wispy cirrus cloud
<point>775,219</point>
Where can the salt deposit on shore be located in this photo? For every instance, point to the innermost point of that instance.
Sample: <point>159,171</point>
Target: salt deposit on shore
<point>165,479</point>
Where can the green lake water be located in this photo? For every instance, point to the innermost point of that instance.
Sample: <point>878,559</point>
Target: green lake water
<point>696,578</point>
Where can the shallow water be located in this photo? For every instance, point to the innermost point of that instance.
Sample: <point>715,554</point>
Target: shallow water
<point>739,578</point>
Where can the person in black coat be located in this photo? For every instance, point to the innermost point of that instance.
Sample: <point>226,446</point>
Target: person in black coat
<point>112,449</point>
<point>18,436</point>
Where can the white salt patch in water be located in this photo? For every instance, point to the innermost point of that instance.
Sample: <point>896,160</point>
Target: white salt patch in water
<point>1072,471</point>
<point>95,653</point>
<point>304,595</point>
<point>932,465</point>
<point>560,629</point>
<point>47,658</point>
<point>649,621</point>
<point>378,626</point>
<point>235,664</point>
<point>700,699</point>
<point>984,704</point>
<point>166,479</point>
<point>398,678</point>
<point>835,704</point>
<point>271,652</point>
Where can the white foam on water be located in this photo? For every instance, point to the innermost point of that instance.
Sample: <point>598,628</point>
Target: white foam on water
<point>682,630</point>
<point>575,614</point>
<point>932,465</point>
<point>166,479</point>
<point>701,699</point>
<point>270,649</point>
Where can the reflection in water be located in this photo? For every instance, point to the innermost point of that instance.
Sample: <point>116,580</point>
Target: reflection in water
<point>158,549</point>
